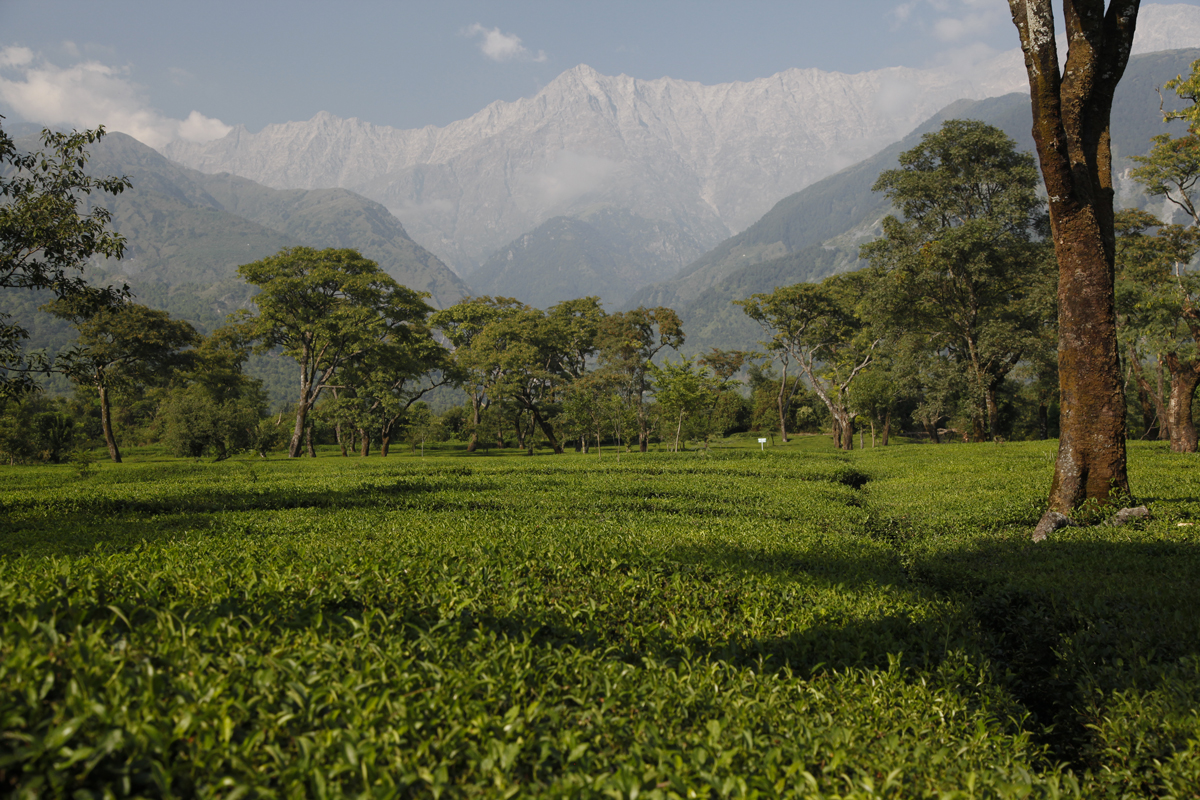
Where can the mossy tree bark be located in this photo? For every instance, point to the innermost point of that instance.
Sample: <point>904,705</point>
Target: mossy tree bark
<point>1071,112</point>
<point>1185,376</point>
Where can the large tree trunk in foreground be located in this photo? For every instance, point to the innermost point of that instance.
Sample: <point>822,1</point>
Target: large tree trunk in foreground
<point>1071,115</point>
<point>1185,375</point>
<point>106,425</point>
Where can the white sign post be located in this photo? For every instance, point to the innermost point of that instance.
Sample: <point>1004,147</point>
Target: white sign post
<point>762,444</point>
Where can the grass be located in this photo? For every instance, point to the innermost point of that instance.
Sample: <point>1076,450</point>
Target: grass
<point>733,623</point>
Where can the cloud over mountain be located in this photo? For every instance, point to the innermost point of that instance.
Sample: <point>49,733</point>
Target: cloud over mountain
<point>89,93</point>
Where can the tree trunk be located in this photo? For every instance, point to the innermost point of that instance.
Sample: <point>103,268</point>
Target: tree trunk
<point>384,441</point>
<point>547,431</point>
<point>843,430</point>
<point>1185,375</point>
<point>476,417</point>
<point>520,429</point>
<point>887,426</point>
<point>1071,115</point>
<point>308,441</point>
<point>872,418</point>
<point>1043,420</point>
<point>1153,410</point>
<point>298,432</point>
<point>678,430</point>
<point>365,441</point>
<point>781,403</point>
<point>977,434</point>
<point>337,432</point>
<point>106,425</point>
<point>1164,432</point>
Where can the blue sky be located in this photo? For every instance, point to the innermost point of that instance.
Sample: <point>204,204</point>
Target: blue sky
<point>410,64</point>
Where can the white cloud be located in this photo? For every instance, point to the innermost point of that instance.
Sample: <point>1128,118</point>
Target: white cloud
<point>15,56</point>
<point>90,93</point>
<point>952,20</point>
<point>903,11</point>
<point>955,29</point>
<point>500,46</point>
<point>567,175</point>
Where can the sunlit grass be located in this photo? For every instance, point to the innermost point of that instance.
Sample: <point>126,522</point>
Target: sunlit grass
<point>728,621</point>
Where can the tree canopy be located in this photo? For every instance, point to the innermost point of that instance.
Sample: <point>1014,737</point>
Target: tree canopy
<point>45,240</point>
<point>327,309</point>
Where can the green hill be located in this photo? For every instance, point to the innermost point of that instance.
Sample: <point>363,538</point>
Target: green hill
<point>608,252</point>
<point>816,232</point>
<point>188,232</point>
<point>186,229</point>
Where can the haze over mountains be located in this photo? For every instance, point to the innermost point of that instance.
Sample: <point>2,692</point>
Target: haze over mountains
<point>816,232</point>
<point>617,187</point>
<point>702,161</point>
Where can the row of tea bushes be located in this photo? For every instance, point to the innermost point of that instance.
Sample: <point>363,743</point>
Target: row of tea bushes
<point>807,624</point>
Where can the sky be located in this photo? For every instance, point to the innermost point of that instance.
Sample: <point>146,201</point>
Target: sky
<point>163,69</point>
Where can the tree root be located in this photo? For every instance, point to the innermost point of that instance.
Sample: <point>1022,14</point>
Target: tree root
<point>1053,520</point>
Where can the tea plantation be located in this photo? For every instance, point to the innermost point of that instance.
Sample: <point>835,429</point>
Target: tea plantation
<point>795,622</point>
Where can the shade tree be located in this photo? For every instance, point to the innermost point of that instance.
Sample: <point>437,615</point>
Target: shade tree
<point>818,327</point>
<point>1157,301</point>
<point>627,344</point>
<point>964,263</point>
<point>460,326</point>
<point>46,239</point>
<point>683,390</point>
<point>326,309</point>
<point>1072,107</point>
<point>120,346</point>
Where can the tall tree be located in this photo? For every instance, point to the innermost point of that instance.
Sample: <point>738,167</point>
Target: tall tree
<point>1172,170</point>
<point>375,392</point>
<point>818,327</point>
<point>537,355</point>
<point>1158,300</point>
<point>44,239</point>
<point>212,405</point>
<point>628,342</point>
<point>120,346</point>
<point>326,309</point>
<point>461,325</point>
<point>1071,116</point>
<point>960,267</point>
<point>683,390</point>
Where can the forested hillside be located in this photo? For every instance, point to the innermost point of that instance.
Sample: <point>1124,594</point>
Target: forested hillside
<point>817,231</point>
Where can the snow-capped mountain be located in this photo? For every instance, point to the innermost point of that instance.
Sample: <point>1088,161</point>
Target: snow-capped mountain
<point>709,159</point>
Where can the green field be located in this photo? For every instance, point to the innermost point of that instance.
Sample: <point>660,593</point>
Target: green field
<point>798,622</point>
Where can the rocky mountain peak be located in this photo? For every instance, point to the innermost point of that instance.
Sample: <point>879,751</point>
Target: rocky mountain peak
<point>709,159</point>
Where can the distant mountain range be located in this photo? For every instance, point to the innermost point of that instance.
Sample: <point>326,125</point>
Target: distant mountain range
<point>708,159</point>
<point>187,233</point>
<point>816,232</point>
<point>605,251</point>
<point>701,162</point>
<point>189,229</point>
<point>615,187</point>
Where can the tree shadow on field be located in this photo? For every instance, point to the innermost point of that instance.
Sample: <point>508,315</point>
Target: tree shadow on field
<point>1057,622</point>
<point>76,524</point>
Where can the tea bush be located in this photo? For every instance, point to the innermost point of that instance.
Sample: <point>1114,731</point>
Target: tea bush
<point>742,624</point>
